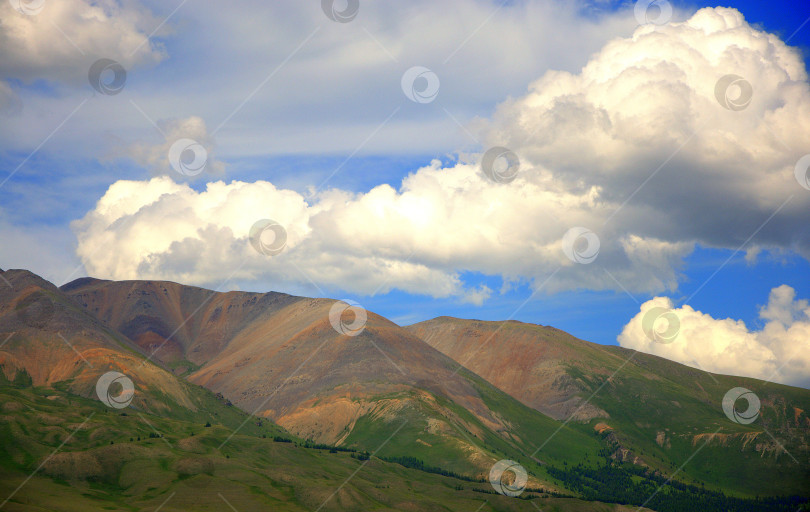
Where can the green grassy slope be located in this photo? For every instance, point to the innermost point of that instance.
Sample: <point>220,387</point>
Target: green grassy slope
<point>91,458</point>
<point>468,447</point>
<point>664,412</point>
<point>660,414</point>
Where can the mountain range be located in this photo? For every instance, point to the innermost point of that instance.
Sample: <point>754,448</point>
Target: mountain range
<point>277,400</point>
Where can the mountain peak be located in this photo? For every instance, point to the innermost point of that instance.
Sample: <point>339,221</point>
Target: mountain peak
<point>21,279</point>
<point>81,282</point>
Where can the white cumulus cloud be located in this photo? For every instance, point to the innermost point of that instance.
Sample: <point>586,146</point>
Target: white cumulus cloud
<point>644,111</point>
<point>419,238</point>
<point>779,351</point>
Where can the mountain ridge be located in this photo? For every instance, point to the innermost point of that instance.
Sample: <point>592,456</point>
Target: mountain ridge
<point>450,394</point>
<point>280,357</point>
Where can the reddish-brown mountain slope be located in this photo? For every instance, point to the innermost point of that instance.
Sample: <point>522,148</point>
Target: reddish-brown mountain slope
<point>526,361</point>
<point>171,322</point>
<point>279,356</point>
<point>46,336</point>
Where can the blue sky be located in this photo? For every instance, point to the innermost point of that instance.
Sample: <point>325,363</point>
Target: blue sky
<point>301,138</point>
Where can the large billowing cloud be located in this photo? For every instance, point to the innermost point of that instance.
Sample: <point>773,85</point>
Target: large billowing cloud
<point>162,229</point>
<point>780,351</point>
<point>648,106</point>
<point>643,107</point>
